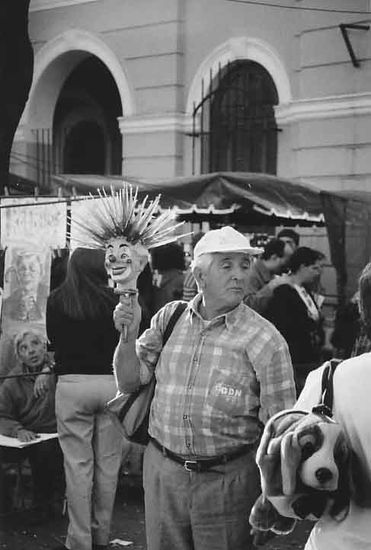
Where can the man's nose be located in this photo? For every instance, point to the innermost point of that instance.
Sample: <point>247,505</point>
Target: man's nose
<point>238,274</point>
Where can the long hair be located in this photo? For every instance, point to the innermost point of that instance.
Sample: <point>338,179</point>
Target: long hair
<point>85,294</point>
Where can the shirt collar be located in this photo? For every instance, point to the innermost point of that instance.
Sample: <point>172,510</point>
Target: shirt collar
<point>230,318</point>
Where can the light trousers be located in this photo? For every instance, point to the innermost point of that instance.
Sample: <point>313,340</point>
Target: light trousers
<point>199,511</point>
<point>93,452</point>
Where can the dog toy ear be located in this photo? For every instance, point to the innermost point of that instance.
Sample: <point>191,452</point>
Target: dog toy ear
<point>351,484</point>
<point>290,461</point>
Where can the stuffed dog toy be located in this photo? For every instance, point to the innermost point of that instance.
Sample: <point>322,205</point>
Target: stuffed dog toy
<point>303,460</point>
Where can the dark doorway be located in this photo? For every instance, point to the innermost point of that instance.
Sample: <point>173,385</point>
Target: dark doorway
<point>86,131</point>
<point>84,149</point>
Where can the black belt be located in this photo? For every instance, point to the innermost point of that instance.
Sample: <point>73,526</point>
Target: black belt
<point>202,464</point>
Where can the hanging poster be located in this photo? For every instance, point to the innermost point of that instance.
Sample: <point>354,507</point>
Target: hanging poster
<point>28,220</point>
<point>24,297</point>
<point>26,285</point>
<point>29,232</point>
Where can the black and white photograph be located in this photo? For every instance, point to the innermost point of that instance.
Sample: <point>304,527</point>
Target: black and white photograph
<point>185,274</point>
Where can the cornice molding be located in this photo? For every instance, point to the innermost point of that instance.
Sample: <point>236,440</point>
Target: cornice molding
<point>327,107</point>
<point>173,122</point>
<point>39,5</point>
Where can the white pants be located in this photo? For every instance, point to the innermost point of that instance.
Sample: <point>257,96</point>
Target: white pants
<point>92,450</point>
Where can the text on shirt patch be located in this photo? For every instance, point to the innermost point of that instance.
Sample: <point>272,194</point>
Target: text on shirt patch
<point>226,390</point>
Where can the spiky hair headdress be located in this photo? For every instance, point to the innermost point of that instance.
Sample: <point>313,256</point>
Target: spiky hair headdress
<point>120,215</point>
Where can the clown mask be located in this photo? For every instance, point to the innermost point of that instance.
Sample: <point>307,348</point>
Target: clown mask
<point>124,262</point>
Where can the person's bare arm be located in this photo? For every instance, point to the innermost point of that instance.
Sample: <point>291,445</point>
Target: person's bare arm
<point>125,361</point>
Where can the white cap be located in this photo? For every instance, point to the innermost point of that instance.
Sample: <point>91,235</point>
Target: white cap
<point>225,239</point>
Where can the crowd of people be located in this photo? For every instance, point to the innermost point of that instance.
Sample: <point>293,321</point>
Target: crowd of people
<point>249,344</point>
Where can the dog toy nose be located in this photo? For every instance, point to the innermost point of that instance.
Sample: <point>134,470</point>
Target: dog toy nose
<point>323,475</point>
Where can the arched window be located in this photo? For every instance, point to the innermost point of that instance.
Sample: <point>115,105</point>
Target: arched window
<point>238,131</point>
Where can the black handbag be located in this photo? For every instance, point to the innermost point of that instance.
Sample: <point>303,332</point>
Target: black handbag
<point>130,411</point>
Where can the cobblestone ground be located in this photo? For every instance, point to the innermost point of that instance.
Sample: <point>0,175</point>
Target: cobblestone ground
<point>19,531</point>
<point>16,532</point>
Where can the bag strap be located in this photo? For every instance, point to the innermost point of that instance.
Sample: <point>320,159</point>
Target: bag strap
<point>181,306</point>
<point>327,389</point>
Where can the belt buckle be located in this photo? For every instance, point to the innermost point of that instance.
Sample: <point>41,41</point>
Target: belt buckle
<point>187,465</point>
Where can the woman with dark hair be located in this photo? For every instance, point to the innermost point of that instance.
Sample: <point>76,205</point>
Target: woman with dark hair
<point>351,408</point>
<point>82,335</point>
<point>294,312</point>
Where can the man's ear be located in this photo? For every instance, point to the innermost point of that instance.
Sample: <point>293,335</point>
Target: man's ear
<point>200,277</point>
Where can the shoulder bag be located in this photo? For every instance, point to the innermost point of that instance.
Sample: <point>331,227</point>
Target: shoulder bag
<point>130,411</point>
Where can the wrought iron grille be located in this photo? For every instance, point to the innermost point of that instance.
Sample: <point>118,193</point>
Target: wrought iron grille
<point>234,127</point>
<point>43,159</point>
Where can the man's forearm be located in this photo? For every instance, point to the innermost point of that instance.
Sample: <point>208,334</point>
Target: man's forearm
<point>126,366</point>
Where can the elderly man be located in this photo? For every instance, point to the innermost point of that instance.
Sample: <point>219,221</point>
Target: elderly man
<point>27,408</point>
<point>223,371</point>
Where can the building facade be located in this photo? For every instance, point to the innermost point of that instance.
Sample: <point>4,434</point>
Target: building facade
<point>164,88</point>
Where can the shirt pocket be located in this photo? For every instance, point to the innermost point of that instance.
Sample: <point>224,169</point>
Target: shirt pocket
<point>228,394</point>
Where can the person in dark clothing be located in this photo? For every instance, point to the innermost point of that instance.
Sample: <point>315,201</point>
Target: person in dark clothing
<point>347,329</point>
<point>27,407</point>
<point>294,312</point>
<point>145,297</point>
<point>168,265</point>
<point>290,237</point>
<point>82,335</point>
<point>264,275</point>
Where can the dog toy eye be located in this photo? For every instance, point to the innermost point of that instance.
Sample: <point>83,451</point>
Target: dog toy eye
<point>307,444</point>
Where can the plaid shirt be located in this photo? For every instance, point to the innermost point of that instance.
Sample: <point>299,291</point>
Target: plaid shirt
<point>216,380</point>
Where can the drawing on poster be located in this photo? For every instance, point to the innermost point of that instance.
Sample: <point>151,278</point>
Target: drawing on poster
<point>26,286</point>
